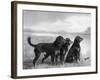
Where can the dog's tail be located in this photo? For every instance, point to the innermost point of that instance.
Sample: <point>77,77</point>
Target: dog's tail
<point>30,43</point>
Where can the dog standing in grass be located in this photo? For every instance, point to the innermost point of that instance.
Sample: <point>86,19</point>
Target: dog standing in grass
<point>51,49</point>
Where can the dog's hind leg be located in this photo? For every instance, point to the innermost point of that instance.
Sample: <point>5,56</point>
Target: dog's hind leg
<point>37,55</point>
<point>45,56</point>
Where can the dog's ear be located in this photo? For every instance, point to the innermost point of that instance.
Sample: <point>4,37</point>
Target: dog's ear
<point>68,41</point>
<point>58,40</point>
<point>78,39</point>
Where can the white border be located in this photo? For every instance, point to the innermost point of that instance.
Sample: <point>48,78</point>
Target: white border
<point>21,72</point>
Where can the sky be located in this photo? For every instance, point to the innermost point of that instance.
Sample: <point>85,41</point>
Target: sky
<point>49,21</point>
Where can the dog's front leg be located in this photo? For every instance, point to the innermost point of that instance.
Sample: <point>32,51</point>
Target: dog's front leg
<point>52,59</point>
<point>56,59</point>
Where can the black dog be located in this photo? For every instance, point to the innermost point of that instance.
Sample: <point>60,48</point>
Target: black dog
<point>50,48</point>
<point>74,52</point>
<point>63,50</point>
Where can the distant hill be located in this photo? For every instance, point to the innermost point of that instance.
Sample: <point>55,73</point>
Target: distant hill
<point>86,32</point>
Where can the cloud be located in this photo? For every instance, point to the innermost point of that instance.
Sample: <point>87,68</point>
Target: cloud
<point>56,22</point>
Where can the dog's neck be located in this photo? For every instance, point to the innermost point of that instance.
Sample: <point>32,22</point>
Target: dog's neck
<point>76,43</point>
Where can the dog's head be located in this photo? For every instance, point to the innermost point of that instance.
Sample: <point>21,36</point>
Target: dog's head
<point>68,42</point>
<point>78,39</point>
<point>59,41</point>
